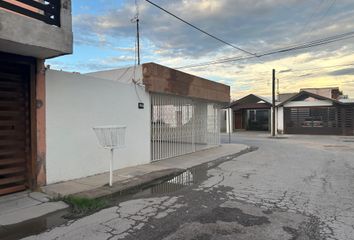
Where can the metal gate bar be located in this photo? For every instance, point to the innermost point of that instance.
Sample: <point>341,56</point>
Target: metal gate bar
<point>182,125</point>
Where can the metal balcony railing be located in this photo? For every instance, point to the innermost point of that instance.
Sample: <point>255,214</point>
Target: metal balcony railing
<point>47,11</point>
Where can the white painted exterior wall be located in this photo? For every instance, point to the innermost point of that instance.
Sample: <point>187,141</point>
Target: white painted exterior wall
<point>229,120</point>
<point>75,103</point>
<point>124,75</point>
<point>317,103</point>
<point>279,114</point>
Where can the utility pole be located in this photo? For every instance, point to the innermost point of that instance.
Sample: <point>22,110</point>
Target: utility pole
<point>273,104</point>
<point>138,39</point>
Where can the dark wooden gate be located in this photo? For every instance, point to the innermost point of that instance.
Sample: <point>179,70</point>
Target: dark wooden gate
<point>348,120</point>
<point>14,127</point>
<point>313,120</point>
<point>238,119</point>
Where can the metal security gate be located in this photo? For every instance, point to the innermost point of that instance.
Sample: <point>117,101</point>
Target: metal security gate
<point>348,120</point>
<point>182,125</point>
<point>14,128</point>
<point>313,120</point>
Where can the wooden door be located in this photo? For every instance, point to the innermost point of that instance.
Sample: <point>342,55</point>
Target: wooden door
<point>14,127</point>
<point>238,119</point>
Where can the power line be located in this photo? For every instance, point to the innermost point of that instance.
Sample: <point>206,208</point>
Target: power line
<point>307,24</point>
<point>311,17</point>
<point>309,69</point>
<point>326,11</point>
<point>201,30</point>
<point>314,43</point>
<point>227,60</point>
<point>294,47</point>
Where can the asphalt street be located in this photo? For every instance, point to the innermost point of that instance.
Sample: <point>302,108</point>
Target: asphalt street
<point>295,187</point>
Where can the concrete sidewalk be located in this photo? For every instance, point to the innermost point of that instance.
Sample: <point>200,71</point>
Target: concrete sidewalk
<point>22,206</point>
<point>25,206</point>
<point>96,186</point>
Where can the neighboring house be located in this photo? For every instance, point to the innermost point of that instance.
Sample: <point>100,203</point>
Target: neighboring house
<point>251,112</point>
<point>329,92</point>
<point>30,32</point>
<point>181,114</point>
<point>311,111</point>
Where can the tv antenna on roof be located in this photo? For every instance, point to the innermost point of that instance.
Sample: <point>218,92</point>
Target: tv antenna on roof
<point>136,20</point>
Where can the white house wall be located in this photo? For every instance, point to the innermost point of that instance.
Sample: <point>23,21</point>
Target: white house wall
<point>75,103</point>
<point>124,75</point>
<point>229,120</point>
<point>317,103</point>
<point>280,119</point>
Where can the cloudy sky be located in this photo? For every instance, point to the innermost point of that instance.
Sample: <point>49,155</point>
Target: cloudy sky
<point>104,38</point>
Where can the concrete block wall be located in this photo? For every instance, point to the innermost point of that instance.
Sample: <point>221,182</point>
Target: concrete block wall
<point>31,37</point>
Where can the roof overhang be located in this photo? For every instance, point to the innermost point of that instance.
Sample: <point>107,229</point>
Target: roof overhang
<point>310,94</point>
<point>251,106</point>
<point>250,99</point>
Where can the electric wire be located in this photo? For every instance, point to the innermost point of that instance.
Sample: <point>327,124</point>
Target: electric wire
<point>323,16</point>
<point>200,30</point>
<point>314,43</point>
<point>311,17</point>
<point>294,47</point>
<point>316,68</point>
<point>239,58</point>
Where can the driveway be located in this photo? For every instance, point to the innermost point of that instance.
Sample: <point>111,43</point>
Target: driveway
<point>296,187</point>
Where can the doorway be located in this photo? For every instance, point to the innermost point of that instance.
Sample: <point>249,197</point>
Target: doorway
<point>16,107</point>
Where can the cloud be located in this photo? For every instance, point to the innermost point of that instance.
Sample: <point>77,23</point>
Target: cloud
<point>306,75</point>
<point>346,71</point>
<point>254,25</point>
<point>285,71</point>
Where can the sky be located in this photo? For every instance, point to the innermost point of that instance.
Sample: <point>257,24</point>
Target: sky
<point>104,38</point>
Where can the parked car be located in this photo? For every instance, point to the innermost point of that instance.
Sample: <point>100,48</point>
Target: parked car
<point>312,122</point>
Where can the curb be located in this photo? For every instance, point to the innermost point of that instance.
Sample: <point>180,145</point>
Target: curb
<point>130,185</point>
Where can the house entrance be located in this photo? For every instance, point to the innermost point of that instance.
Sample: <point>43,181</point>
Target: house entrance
<point>258,119</point>
<point>15,132</point>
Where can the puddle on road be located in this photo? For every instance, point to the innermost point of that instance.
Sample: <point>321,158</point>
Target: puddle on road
<point>34,226</point>
<point>188,178</point>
